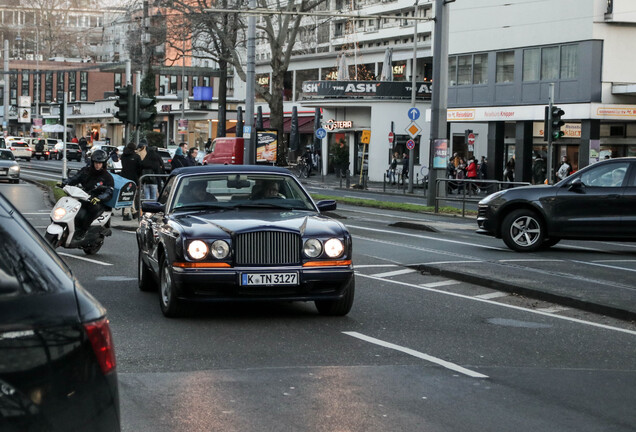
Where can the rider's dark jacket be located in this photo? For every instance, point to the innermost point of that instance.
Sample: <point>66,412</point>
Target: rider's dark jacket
<point>99,184</point>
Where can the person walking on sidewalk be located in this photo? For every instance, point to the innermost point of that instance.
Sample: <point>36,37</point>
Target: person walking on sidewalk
<point>131,170</point>
<point>405,167</point>
<point>471,174</point>
<point>393,168</point>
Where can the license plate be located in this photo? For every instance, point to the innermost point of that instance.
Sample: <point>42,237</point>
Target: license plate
<point>269,279</point>
<point>2,172</point>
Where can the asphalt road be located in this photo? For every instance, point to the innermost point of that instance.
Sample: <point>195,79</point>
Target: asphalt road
<point>418,352</point>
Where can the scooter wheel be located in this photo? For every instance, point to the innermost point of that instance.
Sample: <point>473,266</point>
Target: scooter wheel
<point>51,239</point>
<point>94,248</point>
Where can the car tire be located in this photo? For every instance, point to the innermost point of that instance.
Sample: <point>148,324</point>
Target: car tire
<point>170,305</point>
<point>523,231</point>
<point>548,243</point>
<point>28,159</point>
<point>341,306</point>
<point>145,280</point>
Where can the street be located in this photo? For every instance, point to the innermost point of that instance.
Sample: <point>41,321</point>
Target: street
<point>420,351</point>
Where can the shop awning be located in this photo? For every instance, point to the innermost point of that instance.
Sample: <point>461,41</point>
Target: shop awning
<point>305,125</point>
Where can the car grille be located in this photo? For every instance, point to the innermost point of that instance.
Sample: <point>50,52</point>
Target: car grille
<point>267,248</point>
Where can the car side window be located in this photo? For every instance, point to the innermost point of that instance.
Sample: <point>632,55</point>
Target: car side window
<point>165,193</point>
<point>606,175</point>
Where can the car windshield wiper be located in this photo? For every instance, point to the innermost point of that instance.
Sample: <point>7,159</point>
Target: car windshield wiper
<point>194,207</point>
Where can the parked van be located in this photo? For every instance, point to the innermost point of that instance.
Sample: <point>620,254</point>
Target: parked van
<point>227,151</point>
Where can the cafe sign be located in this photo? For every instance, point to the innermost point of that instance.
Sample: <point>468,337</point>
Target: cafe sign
<point>338,124</point>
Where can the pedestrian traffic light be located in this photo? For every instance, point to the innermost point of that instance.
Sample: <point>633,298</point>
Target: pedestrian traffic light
<point>556,122</point>
<point>125,103</point>
<point>144,109</point>
<point>62,114</point>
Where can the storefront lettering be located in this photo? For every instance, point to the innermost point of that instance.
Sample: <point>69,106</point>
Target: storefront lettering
<point>360,88</point>
<point>338,124</point>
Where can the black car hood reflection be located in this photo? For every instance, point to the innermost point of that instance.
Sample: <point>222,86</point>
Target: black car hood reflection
<point>206,224</point>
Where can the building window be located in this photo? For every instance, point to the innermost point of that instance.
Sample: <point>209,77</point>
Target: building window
<point>569,61</point>
<point>452,71</point>
<point>464,70</point>
<point>173,84</point>
<point>117,80</point>
<point>531,64</point>
<point>550,63</point>
<point>25,84</point>
<point>505,67</point>
<point>71,86</point>
<point>480,69</point>
<point>206,81</point>
<point>163,85</point>
<point>13,90</point>
<point>195,81</point>
<point>48,87</point>
<point>60,87</point>
<point>83,86</point>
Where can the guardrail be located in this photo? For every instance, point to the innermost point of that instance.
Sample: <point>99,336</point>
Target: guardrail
<point>467,189</point>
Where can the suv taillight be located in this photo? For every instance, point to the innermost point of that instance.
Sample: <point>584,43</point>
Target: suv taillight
<point>102,341</point>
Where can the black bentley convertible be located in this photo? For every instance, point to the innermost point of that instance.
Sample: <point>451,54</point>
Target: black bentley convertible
<point>233,233</point>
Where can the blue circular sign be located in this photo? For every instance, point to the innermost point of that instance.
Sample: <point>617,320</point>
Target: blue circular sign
<point>321,133</point>
<point>414,113</point>
<point>410,144</point>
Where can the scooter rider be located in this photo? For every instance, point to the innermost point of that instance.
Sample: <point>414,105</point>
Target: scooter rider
<point>99,184</point>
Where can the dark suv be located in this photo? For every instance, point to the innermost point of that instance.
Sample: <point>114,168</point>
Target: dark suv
<point>596,203</point>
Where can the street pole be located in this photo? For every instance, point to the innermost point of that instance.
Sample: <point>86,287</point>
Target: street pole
<point>413,94</point>
<point>549,132</point>
<point>138,91</point>
<point>37,73</point>
<point>5,115</point>
<point>64,160</point>
<point>249,153</point>
<point>439,97</point>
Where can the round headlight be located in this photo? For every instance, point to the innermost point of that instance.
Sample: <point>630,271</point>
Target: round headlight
<point>59,213</point>
<point>197,249</point>
<point>220,249</point>
<point>312,248</point>
<point>334,248</point>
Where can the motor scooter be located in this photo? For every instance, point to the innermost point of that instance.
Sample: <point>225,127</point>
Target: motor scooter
<point>61,231</point>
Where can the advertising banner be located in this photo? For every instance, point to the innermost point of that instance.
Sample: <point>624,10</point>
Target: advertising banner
<point>183,127</point>
<point>24,115</point>
<point>266,146</point>
<point>440,153</point>
<point>377,89</point>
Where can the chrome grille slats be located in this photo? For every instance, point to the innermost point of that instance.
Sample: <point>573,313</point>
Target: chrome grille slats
<point>267,248</point>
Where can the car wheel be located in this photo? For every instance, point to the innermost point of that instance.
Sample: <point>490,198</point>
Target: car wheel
<point>15,181</point>
<point>339,307</point>
<point>95,247</point>
<point>523,231</point>
<point>144,276</point>
<point>170,304</point>
<point>28,159</point>
<point>548,243</point>
<point>37,157</point>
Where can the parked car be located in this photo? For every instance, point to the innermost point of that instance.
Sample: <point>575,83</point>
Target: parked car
<point>73,151</point>
<point>9,168</point>
<point>19,147</point>
<point>235,232</point>
<point>228,151</point>
<point>57,360</point>
<point>106,147</point>
<point>597,202</point>
<point>166,157</point>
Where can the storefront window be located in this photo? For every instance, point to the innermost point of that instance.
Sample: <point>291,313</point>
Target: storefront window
<point>505,66</point>
<point>329,74</point>
<point>531,64</point>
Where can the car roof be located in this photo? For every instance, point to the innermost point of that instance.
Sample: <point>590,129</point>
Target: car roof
<point>237,169</point>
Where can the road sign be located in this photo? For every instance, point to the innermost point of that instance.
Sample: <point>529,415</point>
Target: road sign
<point>471,138</point>
<point>410,144</point>
<point>391,137</point>
<point>321,133</point>
<point>365,138</point>
<point>247,131</point>
<point>413,130</point>
<point>414,113</point>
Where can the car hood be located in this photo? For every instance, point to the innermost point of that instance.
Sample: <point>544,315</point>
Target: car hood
<point>7,163</point>
<point>206,224</point>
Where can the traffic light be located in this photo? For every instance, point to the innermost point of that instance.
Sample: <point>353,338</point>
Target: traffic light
<point>125,103</point>
<point>144,109</point>
<point>62,114</point>
<point>556,122</point>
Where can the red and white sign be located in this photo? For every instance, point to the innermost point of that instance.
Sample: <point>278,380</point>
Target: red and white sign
<point>471,139</point>
<point>410,144</point>
<point>391,137</point>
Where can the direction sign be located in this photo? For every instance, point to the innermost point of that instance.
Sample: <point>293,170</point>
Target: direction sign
<point>321,133</point>
<point>471,138</point>
<point>414,113</point>
<point>365,138</point>
<point>391,137</point>
<point>410,144</point>
<point>413,130</point>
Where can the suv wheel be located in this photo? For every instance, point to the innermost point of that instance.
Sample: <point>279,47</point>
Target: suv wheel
<point>523,231</point>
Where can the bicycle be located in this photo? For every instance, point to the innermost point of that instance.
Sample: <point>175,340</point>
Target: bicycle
<point>301,169</point>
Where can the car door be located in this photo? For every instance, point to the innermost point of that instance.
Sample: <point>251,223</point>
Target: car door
<point>628,223</point>
<point>591,203</point>
<point>150,226</point>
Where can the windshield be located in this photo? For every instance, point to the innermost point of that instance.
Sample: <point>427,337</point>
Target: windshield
<point>6,155</point>
<point>223,191</point>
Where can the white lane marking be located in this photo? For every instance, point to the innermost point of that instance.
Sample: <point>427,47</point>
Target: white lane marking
<point>134,232</point>
<point>423,237</point>
<point>616,260</point>
<point>84,259</point>
<point>604,265</point>
<point>40,213</point>
<point>450,262</point>
<point>440,283</point>
<point>619,244</point>
<point>394,273</point>
<point>532,260</point>
<point>492,295</point>
<point>504,305</point>
<point>553,309</point>
<point>375,265</point>
<point>41,227</point>
<point>423,356</point>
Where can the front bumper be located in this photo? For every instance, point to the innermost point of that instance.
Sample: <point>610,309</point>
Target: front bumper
<point>486,221</point>
<point>223,284</point>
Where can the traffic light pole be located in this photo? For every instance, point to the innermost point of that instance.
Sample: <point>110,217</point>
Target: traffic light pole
<point>136,107</point>
<point>550,135</point>
<point>64,159</point>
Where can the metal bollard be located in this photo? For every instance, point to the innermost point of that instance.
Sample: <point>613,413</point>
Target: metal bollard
<point>384,183</point>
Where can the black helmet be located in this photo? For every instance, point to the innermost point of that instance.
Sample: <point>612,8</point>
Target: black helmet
<point>99,156</point>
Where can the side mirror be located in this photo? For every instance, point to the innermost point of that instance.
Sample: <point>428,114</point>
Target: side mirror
<point>576,185</point>
<point>152,207</point>
<point>326,205</point>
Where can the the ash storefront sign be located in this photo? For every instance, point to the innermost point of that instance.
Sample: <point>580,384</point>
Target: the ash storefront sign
<point>367,89</point>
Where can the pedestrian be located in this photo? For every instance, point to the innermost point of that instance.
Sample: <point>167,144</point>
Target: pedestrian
<point>450,174</point>
<point>150,164</point>
<point>538,170</point>
<point>483,168</point>
<point>84,146</point>
<point>471,174</point>
<point>75,140</point>
<point>208,145</point>
<point>405,167</point>
<point>179,158</point>
<point>393,168</point>
<point>172,143</point>
<point>460,174</point>
<point>131,170</point>
<point>307,156</point>
<point>114,164</point>
<point>191,159</point>
<point>509,171</point>
<point>565,169</point>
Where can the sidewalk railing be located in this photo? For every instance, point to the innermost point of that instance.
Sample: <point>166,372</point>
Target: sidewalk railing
<point>469,191</point>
